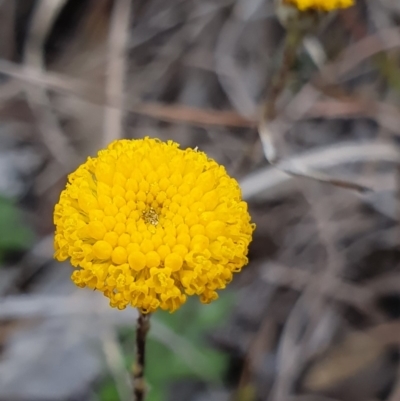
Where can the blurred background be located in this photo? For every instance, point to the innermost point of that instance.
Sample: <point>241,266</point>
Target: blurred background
<point>315,314</point>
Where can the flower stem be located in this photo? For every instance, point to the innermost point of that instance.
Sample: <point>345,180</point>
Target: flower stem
<point>139,385</point>
<point>293,39</point>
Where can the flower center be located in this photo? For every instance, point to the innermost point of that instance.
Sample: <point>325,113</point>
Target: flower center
<point>150,216</point>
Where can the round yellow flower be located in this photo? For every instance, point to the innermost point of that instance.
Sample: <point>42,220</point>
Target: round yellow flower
<point>147,224</point>
<point>324,5</point>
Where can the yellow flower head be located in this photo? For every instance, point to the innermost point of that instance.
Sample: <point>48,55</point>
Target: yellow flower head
<point>323,5</point>
<point>147,224</point>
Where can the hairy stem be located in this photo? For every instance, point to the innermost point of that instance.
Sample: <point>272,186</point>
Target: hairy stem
<point>139,385</point>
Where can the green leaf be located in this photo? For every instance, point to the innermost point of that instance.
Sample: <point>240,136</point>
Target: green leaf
<point>108,391</point>
<point>190,322</point>
<point>14,235</point>
<point>163,365</point>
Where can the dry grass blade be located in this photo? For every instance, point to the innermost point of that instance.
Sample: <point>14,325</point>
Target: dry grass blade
<point>45,13</point>
<point>303,172</point>
<point>357,352</point>
<point>73,87</point>
<point>118,42</point>
<point>42,306</point>
<point>191,115</point>
<point>116,361</point>
<point>282,276</point>
<point>266,183</point>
